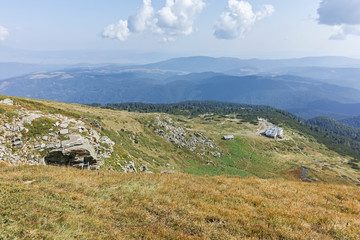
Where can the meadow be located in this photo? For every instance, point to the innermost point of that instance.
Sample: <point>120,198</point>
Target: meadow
<point>65,203</point>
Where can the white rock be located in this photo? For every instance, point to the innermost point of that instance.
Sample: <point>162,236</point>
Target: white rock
<point>7,101</point>
<point>64,125</point>
<point>75,140</point>
<point>64,131</point>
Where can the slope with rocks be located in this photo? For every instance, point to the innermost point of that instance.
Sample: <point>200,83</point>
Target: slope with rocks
<point>170,143</point>
<point>38,137</point>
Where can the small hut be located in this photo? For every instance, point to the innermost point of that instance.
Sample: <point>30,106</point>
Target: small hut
<point>228,137</point>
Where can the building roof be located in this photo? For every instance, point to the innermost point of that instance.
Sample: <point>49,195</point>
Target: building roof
<point>228,137</point>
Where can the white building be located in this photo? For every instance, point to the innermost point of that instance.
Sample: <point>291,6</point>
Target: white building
<point>275,132</point>
<point>228,137</point>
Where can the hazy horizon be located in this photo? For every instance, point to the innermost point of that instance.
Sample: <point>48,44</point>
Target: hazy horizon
<point>73,57</point>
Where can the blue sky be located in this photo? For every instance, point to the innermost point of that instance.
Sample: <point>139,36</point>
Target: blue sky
<point>244,29</point>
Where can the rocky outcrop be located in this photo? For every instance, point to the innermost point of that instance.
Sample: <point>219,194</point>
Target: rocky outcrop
<point>76,152</point>
<point>35,137</point>
<point>194,141</point>
<point>7,101</point>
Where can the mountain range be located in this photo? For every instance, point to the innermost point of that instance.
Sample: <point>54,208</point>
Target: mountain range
<point>308,87</point>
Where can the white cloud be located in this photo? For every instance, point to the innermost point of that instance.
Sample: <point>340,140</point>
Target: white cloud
<point>178,17</point>
<point>239,19</point>
<point>175,19</point>
<point>142,20</point>
<point>3,33</point>
<point>118,31</point>
<point>343,15</point>
<point>341,32</point>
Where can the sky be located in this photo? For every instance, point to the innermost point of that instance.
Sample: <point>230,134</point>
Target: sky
<point>270,29</point>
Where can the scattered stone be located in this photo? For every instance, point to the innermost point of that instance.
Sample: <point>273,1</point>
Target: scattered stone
<point>167,172</point>
<point>16,142</point>
<point>64,131</point>
<point>184,138</point>
<point>131,167</point>
<point>216,154</point>
<point>143,168</point>
<point>29,182</point>
<point>96,124</point>
<point>37,147</point>
<point>106,140</point>
<point>7,101</point>
<point>64,125</point>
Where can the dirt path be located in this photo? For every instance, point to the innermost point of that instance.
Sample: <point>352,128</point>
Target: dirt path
<point>262,127</point>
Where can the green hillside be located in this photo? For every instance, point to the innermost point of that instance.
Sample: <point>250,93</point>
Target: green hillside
<point>153,139</point>
<point>201,186</point>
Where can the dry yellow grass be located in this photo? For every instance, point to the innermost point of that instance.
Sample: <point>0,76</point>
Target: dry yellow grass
<point>64,203</point>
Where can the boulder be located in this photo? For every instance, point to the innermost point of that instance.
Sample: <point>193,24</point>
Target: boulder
<point>64,125</point>
<point>64,131</point>
<point>143,168</point>
<point>74,156</point>
<point>77,152</point>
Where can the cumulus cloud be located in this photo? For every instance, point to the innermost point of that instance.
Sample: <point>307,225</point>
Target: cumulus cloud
<point>3,33</point>
<point>342,15</point>
<point>176,18</point>
<point>118,31</point>
<point>143,19</point>
<point>341,32</point>
<point>239,19</point>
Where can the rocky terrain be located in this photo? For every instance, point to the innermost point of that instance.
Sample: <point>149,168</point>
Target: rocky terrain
<point>37,132</point>
<point>37,138</point>
<point>194,141</point>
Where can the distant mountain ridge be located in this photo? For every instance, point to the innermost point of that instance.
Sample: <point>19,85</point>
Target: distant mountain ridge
<point>289,84</point>
<point>332,109</point>
<point>88,86</point>
<point>353,121</point>
<point>204,64</point>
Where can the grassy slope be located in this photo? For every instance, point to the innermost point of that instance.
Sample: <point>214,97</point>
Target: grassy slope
<point>65,203</point>
<point>249,155</point>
